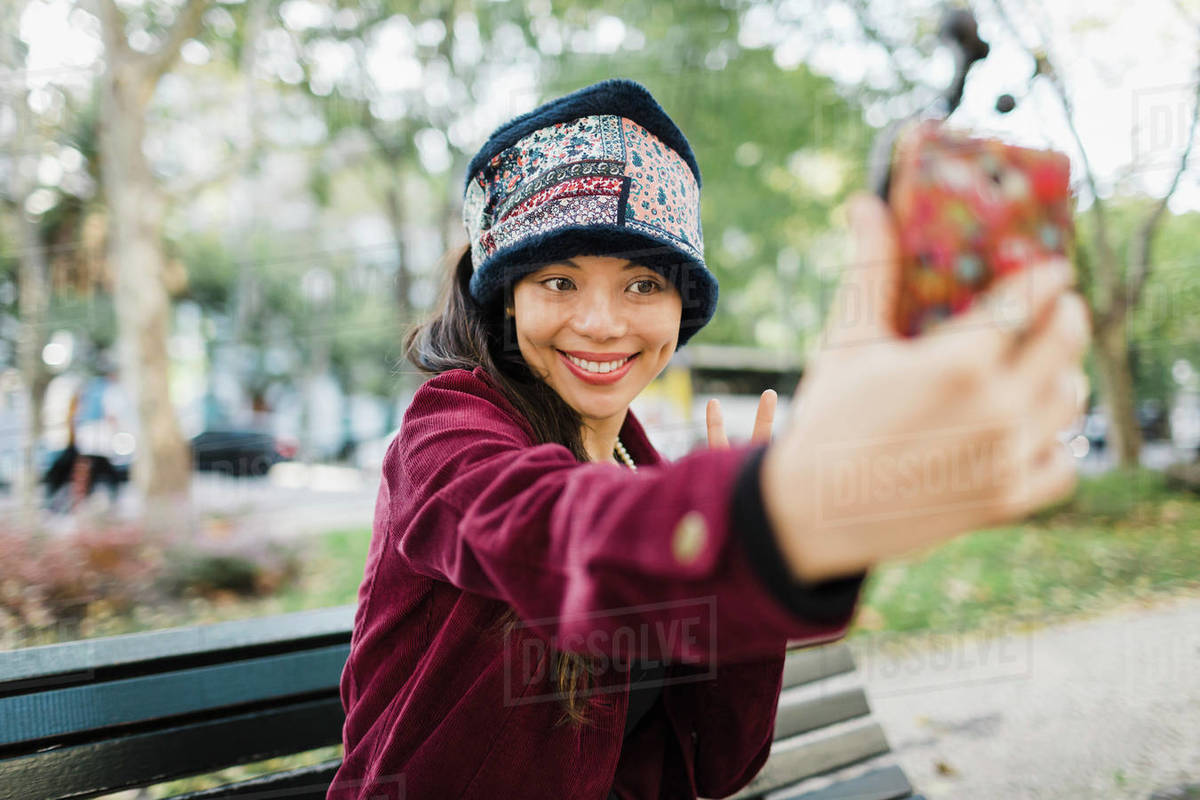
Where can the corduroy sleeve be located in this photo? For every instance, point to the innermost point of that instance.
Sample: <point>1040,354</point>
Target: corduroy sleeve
<point>830,601</point>
<point>596,558</point>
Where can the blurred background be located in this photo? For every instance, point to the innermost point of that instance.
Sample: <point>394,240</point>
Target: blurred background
<point>218,218</point>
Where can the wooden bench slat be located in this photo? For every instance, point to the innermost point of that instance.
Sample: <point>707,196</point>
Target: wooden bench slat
<point>801,714</point>
<point>304,783</point>
<point>150,757</point>
<point>137,710</point>
<point>886,783</point>
<point>798,757</point>
<point>808,664</point>
<point>87,655</point>
<point>31,717</point>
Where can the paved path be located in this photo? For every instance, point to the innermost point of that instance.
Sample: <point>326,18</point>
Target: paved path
<point>293,500</point>
<point>1100,708</point>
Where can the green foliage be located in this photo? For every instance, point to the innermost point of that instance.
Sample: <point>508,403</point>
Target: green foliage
<point>1122,538</point>
<point>244,772</point>
<point>1115,495</point>
<point>261,300</point>
<point>212,270</point>
<point>778,150</point>
<point>1164,326</point>
<point>221,572</point>
<point>333,569</point>
<point>92,316</point>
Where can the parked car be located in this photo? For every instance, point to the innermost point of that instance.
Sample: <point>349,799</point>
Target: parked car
<point>1095,428</point>
<point>1154,420</point>
<point>239,452</point>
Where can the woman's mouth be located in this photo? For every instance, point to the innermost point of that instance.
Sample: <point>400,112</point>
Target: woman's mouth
<point>602,372</point>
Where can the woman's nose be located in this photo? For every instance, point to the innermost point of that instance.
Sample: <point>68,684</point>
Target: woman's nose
<point>599,317</point>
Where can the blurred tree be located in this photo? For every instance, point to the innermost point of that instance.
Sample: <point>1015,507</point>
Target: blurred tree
<point>25,151</point>
<point>408,81</point>
<point>1112,285</point>
<point>1164,326</point>
<point>136,207</point>
<point>400,91</point>
<point>779,148</point>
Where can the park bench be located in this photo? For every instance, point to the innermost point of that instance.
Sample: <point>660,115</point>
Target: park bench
<point>95,716</point>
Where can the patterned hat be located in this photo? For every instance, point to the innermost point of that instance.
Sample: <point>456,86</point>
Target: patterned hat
<point>600,171</point>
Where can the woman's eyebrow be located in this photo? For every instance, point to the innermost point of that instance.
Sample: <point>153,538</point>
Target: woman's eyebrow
<point>569,263</point>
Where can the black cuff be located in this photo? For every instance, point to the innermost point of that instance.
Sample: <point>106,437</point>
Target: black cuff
<point>827,601</point>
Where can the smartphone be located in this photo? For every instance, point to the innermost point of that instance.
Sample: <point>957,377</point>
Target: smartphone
<point>968,211</point>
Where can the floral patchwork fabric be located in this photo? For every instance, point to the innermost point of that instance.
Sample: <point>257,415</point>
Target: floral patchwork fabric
<point>597,170</point>
<point>663,195</point>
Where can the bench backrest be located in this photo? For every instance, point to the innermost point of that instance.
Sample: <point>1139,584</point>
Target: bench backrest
<point>101,715</point>
<point>824,724</point>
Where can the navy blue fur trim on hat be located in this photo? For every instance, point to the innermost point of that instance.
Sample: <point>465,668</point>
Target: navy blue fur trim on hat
<point>697,287</point>
<point>620,96</point>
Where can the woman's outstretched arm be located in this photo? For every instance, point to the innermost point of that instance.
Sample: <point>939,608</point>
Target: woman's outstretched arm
<point>606,562</point>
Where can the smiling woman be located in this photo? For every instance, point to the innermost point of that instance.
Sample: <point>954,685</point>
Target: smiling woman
<point>500,646</point>
<point>536,621</point>
<point>564,310</point>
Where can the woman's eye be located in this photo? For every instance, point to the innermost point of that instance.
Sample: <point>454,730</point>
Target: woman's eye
<point>645,282</point>
<point>552,280</point>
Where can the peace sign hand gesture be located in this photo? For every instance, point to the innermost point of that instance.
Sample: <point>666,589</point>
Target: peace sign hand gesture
<point>763,420</point>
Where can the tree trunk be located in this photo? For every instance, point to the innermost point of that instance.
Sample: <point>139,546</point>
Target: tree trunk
<point>161,469</point>
<point>1116,389</point>
<point>395,209</point>
<point>33,302</point>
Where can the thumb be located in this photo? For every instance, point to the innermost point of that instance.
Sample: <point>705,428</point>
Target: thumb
<point>863,309</point>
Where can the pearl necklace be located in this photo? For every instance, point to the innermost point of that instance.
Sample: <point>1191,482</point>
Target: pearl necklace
<point>624,455</point>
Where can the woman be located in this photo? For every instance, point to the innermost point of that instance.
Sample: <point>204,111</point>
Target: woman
<point>550,609</point>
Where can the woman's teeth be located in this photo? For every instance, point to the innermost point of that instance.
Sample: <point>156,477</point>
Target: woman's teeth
<point>597,366</point>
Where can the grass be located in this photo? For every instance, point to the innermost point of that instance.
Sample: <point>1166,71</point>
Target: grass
<point>1124,537</point>
<point>233,774</point>
<point>331,577</point>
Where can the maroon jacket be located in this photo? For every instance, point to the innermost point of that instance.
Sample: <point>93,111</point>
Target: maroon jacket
<point>473,518</point>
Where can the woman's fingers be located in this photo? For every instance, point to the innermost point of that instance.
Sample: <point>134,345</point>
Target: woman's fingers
<point>1058,344</point>
<point>716,425</point>
<point>1055,410</point>
<point>1047,377</point>
<point>1046,479</point>
<point>1005,313</point>
<point>765,418</point>
<point>1032,484</point>
<point>865,300</point>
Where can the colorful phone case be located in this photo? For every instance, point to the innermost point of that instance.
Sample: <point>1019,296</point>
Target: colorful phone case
<point>970,210</point>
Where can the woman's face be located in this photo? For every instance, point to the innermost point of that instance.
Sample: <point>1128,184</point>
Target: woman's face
<point>603,309</point>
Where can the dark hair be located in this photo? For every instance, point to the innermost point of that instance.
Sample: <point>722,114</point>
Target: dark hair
<point>461,334</point>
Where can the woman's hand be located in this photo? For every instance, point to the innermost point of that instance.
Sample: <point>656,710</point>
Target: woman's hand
<point>764,418</point>
<point>895,444</point>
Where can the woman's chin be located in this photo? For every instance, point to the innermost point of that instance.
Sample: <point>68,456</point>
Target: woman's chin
<point>601,402</point>
<point>590,408</point>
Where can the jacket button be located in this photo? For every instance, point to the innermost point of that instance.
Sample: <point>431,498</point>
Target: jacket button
<point>690,535</point>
